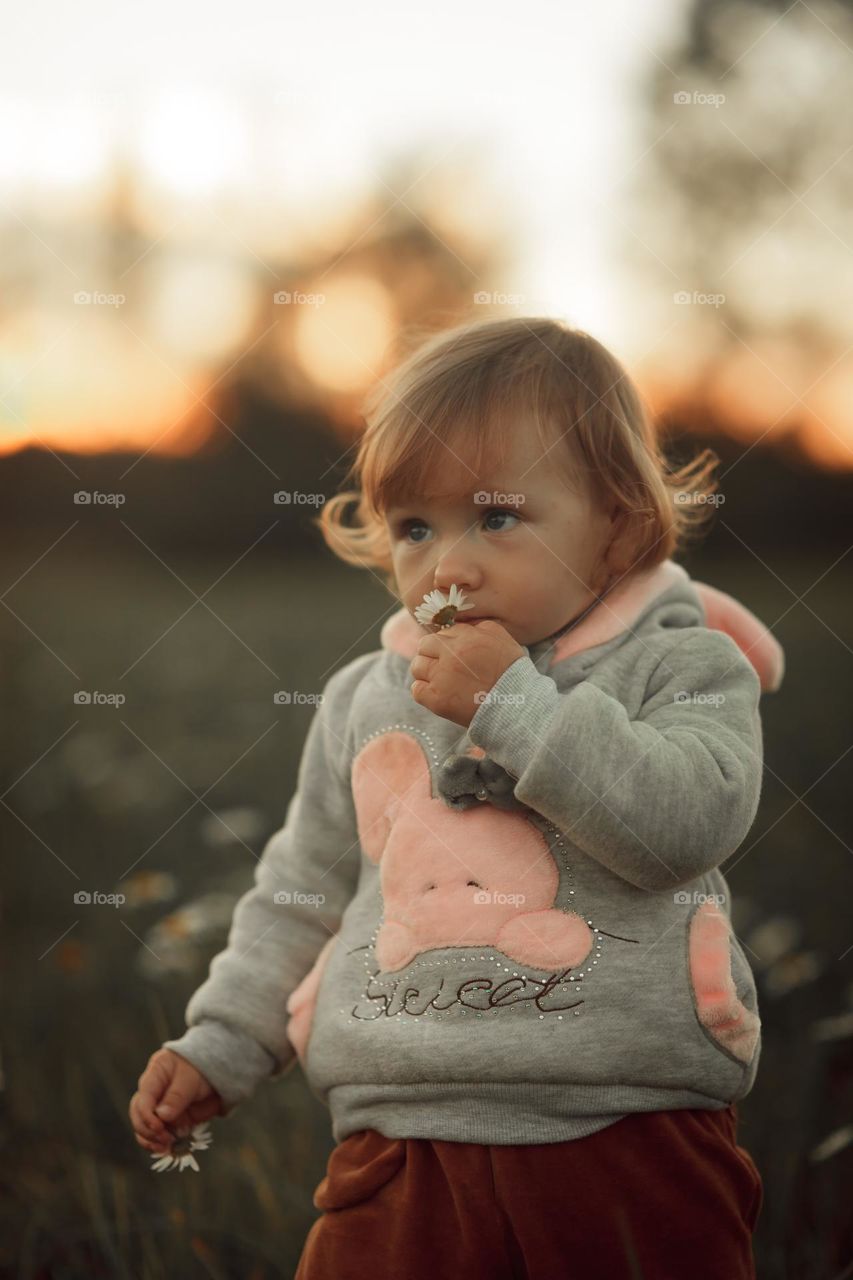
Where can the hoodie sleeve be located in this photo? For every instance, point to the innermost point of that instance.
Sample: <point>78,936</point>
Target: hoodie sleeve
<point>305,877</point>
<point>659,799</point>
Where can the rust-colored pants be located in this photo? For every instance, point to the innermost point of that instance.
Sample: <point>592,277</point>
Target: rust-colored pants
<point>658,1195</point>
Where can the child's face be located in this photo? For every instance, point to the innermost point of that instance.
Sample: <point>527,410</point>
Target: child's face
<point>528,556</point>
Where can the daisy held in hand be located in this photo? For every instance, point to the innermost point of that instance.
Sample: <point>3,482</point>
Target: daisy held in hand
<point>180,1156</point>
<point>439,610</point>
<point>456,666</point>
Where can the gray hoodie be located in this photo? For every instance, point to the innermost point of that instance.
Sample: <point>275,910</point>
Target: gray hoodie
<point>518,933</point>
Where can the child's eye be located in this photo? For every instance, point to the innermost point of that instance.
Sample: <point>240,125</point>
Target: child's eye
<point>501,513</point>
<point>408,529</point>
<point>406,526</point>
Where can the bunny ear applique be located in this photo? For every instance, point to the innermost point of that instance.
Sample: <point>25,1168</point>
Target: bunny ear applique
<point>753,638</point>
<point>390,772</point>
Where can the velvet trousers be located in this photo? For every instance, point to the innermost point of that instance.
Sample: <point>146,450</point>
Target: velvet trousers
<point>657,1195</point>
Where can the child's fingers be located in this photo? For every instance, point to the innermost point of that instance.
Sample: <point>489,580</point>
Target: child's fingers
<point>159,1148</point>
<point>143,1119</point>
<point>168,1095</point>
<point>152,1085</point>
<point>142,1111</point>
<point>181,1093</point>
<point>199,1111</point>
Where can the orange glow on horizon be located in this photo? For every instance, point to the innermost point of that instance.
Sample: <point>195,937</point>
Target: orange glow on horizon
<point>338,348</point>
<point>748,408</point>
<point>185,428</point>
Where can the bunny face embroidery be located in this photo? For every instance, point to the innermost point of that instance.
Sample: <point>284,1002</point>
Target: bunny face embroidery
<point>475,877</point>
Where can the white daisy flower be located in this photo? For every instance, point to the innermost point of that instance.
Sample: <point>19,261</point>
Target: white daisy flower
<point>834,1143</point>
<point>439,610</point>
<point>181,1155</point>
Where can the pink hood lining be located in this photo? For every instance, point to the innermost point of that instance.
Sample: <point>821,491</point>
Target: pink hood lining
<point>616,613</point>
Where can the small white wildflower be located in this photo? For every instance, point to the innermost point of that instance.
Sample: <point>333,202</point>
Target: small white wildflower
<point>830,1146</point>
<point>839,1027</point>
<point>439,610</point>
<point>181,1155</point>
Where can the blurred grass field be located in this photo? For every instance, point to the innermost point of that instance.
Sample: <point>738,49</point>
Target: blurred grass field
<point>88,997</point>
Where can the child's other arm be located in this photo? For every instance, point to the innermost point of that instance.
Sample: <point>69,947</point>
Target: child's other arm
<point>658,800</point>
<point>237,1020</point>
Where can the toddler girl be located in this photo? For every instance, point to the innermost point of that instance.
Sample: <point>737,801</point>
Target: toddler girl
<point>493,928</point>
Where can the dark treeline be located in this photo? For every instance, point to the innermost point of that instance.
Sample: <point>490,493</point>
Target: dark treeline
<point>223,496</point>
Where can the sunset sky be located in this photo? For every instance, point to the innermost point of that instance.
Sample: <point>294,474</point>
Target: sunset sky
<point>250,134</point>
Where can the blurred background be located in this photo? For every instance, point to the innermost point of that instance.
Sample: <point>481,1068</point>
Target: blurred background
<point>218,227</point>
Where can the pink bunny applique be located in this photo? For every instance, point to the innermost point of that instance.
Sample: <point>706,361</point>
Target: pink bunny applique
<point>303,999</point>
<point>449,877</point>
<point>477,877</point>
<point>718,1006</point>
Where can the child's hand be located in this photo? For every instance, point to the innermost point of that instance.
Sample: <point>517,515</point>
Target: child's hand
<point>455,664</point>
<point>169,1081</point>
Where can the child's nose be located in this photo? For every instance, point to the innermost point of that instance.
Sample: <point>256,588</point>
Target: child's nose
<point>459,569</point>
<point>445,581</point>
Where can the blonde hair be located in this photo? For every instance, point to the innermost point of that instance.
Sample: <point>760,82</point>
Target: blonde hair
<point>466,390</point>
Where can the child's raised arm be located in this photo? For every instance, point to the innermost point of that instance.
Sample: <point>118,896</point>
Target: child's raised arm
<point>237,1019</point>
<point>659,799</point>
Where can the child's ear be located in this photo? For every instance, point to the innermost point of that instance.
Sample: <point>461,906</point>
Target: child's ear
<point>617,554</point>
